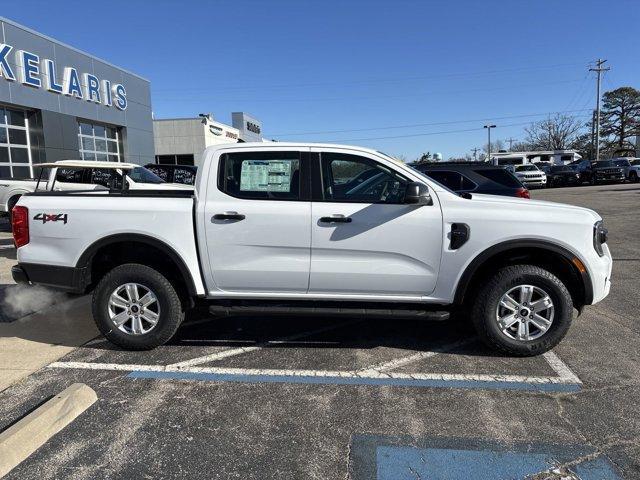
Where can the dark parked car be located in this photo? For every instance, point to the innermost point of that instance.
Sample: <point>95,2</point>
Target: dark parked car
<point>474,178</point>
<point>584,169</point>
<point>609,171</point>
<point>561,176</point>
<point>185,174</point>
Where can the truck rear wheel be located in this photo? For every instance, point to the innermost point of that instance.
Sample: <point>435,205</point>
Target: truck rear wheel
<point>523,310</point>
<point>136,307</point>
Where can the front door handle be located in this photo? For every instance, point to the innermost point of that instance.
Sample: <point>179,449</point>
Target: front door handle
<point>335,219</point>
<point>228,216</point>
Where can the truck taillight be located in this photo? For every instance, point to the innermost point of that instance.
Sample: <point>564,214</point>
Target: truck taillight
<point>20,225</point>
<point>523,193</point>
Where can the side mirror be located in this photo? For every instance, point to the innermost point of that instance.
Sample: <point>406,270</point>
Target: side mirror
<point>417,194</point>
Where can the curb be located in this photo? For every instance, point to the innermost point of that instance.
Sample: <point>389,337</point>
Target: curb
<point>30,433</point>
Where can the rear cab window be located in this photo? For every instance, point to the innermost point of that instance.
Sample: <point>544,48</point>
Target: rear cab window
<point>501,176</point>
<point>260,175</point>
<point>452,180</point>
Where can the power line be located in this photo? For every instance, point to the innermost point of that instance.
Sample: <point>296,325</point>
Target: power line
<point>428,133</point>
<point>451,122</point>
<point>375,81</point>
<point>511,86</point>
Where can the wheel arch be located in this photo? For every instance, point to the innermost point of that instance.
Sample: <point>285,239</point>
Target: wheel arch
<point>558,259</point>
<point>86,261</point>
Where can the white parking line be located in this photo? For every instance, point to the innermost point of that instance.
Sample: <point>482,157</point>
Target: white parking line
<point>402,361</point>
<point>561,368</point>
<point>317,373</point>
<point>232,352</point>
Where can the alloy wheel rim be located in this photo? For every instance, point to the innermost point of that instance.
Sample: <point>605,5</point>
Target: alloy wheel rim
<point>525,313</point>
<point>134,309</point>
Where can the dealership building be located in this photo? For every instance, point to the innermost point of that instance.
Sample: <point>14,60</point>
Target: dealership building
<point>57,102</point>
<point>181,141</point>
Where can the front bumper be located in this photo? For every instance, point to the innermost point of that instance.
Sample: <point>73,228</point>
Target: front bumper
<point>68,279</point>
<point>601,274</point>
<point>610,177</point>
<point>533,182</point>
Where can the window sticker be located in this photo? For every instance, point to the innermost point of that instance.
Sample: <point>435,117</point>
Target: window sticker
<point>265,176</point>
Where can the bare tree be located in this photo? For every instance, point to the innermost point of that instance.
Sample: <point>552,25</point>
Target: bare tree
<point>555,133</point>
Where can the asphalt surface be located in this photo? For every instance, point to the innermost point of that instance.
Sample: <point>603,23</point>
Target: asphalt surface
<point>444,408</point>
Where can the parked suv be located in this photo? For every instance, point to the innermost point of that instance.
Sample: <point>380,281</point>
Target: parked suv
<point>584,170</point>
<point>634,170</point>
<point>474,178</point>
<point>610,171</point>
<point>530,175</point>
<point>561,176</point>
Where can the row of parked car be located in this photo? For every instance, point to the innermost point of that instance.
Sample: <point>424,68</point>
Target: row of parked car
<point>516,180</point>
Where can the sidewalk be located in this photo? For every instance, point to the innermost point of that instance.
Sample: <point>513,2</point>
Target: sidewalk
<point>34,341</point>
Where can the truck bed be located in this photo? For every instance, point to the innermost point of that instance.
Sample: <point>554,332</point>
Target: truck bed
<point>64,226</point>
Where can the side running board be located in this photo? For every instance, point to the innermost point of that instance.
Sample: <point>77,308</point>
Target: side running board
<point>225,310</point>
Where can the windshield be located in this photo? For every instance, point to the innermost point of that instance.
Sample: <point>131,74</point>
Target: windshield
<point>142,175</point>
<point>561,169</point>
<point>526,168</point>
<point>604,163</point>
<point>622,163</point>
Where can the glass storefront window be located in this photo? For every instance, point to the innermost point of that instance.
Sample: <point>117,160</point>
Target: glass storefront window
<point>98,142</point>
<point>15,153</point>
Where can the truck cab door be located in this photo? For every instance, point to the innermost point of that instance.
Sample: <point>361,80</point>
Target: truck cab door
<point>365,240</point>
<point>257,216</point>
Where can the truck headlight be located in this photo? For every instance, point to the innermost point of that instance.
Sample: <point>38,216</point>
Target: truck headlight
<point>600,236</point>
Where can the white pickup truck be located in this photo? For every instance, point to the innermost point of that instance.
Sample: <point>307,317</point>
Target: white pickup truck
<point>83,175</point>
<point>298,227</point>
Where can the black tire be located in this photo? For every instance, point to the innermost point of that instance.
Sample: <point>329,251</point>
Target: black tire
<point>633,177</point>
<point>170,316</point>
<point>488,297</point>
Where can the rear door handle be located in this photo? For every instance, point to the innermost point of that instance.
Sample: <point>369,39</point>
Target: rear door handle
<point>335,219</point>
<point>228,216</point>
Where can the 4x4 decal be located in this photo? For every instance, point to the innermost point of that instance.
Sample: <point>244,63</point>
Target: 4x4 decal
<point>51,217</point>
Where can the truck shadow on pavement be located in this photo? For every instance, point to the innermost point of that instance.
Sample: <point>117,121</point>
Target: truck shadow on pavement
<point>340,332</point>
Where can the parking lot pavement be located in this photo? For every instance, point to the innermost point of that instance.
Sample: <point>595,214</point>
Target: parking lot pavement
<point>354,398</point>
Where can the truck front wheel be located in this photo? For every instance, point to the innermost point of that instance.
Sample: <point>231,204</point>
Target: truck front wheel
<point>136,307</point>
<point>523,310</point>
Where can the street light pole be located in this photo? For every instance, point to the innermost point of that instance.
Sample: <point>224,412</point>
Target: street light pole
<point>489,127</point>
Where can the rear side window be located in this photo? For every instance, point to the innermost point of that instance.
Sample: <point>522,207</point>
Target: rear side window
<point>452,180</point>
<point>73,175</point>
<point>163,173</point>
<point>501,176</point>
<point>260,175</point>
<point>186,176</point>
<point>107,178</point>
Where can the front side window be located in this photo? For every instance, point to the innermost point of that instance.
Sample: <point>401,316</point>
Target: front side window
<point>98,142</point>
<point>260,175</point>
<point>351,178</point>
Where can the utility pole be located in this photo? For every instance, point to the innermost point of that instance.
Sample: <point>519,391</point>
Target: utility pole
<point>593,133</point>
<point>475,153</point>
<point>599,69</point>
<point>489,127</point>
<point>510,140</point>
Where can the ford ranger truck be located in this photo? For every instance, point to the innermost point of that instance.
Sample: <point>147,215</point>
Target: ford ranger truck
<point>80,175</point>
<point>309,228</point>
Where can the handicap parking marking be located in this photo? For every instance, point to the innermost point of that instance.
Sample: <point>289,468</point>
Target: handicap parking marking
<point>388,458</point>
<point>564,381</point>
